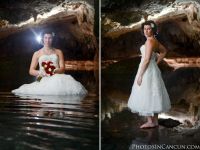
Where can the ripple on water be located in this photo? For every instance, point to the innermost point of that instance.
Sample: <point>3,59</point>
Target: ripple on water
<point>48,122</point>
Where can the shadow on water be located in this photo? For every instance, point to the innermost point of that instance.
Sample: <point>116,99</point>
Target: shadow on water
<point>46,122</point>
<point>120,127</point>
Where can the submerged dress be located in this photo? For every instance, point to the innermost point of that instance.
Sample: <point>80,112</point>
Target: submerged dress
<point>151,96</point>
<point>57,84</point>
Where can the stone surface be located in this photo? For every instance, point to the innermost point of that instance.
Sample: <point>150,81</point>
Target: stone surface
<point>178,26</point>
<point>71,21</point>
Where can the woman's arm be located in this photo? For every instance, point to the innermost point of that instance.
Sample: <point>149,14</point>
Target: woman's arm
<point>148,53</point>
<point>34,63</point>
<point>163,52</point>
<point>61,68</point>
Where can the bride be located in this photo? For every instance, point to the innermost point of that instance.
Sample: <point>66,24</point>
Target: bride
<point>51,79</point>
<point>149,95</point>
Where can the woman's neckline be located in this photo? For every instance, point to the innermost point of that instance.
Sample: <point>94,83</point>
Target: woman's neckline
<point>47,55</point>
<point>45,51</point>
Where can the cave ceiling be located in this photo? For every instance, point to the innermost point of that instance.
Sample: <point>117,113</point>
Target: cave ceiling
<point>17,16</point>
<point>121,17</point>
<point>178,26</point>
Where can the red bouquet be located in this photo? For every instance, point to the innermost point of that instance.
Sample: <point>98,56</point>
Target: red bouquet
<point>48,67</point>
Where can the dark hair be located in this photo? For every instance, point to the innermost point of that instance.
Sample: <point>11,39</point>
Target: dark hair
<point>47,31</point>
<point>153,26</point>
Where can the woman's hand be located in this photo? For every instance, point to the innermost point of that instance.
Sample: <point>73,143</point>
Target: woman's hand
<point>55,71</point>
<point>42,73</point>
<point>139,80</point>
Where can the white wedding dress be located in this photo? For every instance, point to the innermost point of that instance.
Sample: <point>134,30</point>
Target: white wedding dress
<point>58,84</point>
<point>151,96</point>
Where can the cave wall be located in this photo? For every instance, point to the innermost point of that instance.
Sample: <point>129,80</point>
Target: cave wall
<point>24,43</point>
<point>72,22</point>
<point>171,35</point>
<point>178,27</point>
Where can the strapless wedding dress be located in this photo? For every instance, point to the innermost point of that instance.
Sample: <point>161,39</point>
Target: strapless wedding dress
<point>151,96</point>
<point>57,84</point>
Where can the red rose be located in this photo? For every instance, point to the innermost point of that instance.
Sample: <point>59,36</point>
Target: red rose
<point>48,67</point>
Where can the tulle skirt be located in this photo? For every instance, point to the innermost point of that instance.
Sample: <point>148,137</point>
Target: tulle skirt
<point>58,84</point>
<point>151,96</point>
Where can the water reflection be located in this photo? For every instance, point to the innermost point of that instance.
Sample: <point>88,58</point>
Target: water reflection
<point>119,123</point>
<point>62,99</point>
<point>149,137</point>
<point>48,122</point>
<point>60,103</point>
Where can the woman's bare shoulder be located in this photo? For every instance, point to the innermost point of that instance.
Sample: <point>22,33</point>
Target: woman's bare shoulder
<point>38,53</point>
<point>152,41</point>
<point>58,51</point>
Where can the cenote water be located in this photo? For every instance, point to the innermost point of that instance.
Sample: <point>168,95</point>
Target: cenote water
<point>120,127</point>
<point>47,122</point>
